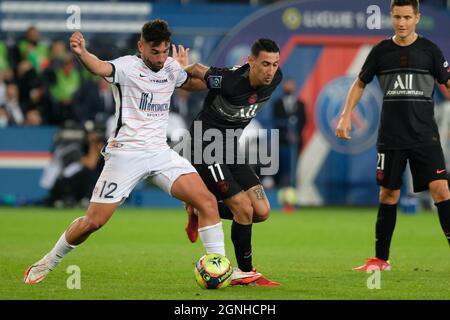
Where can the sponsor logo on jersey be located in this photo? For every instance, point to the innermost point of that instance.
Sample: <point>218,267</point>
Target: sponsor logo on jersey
<point>159,80</point>
<point>246,112</point>
<point>147,105</point>
<point>407,84</point>
<point>404,86</point>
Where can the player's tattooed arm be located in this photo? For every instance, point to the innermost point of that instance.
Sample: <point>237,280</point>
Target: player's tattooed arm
<point>448,86</point>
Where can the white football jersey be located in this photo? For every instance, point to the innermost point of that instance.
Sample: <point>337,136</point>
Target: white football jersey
<point>142,102</point>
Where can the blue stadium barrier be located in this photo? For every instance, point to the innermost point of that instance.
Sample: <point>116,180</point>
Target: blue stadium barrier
<point>24,152</point>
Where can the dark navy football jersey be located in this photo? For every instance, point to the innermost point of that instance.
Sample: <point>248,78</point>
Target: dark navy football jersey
<point>231,102</point>
<point>407,76</point>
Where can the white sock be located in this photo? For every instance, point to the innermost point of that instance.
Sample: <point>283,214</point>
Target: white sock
<point>61,248</point>
<point>213,238</point>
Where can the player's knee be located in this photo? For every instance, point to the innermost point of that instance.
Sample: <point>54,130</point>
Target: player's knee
<point>243,209</point>
<point>208,204</point>
<point>440,193</point>
<point>389,196</point>
<point>261,214</point>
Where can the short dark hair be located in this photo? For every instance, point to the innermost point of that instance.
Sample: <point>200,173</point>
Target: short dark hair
<point>156,31</point>
<point>264,45</point>
<point>401,3</point>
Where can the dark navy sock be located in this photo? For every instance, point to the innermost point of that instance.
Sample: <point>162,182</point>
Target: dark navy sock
<point>241,235</point>
<point>443,208</point>
<point>387,215</point>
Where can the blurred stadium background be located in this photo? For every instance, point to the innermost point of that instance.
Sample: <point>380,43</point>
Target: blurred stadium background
<point>54,118</point>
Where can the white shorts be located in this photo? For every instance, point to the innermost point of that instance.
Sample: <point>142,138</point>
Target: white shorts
<point>125,168</point>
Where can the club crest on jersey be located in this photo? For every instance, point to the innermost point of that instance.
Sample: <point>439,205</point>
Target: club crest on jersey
<point>253,98</point>
<point>403,61</point>
<point>223,186</point>
<point>215,82</point>
<point>380,175</point>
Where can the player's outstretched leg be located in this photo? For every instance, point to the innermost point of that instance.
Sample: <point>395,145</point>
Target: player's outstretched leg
<point>79,230</point>
<point>191,189</point>
<point>192,224</point>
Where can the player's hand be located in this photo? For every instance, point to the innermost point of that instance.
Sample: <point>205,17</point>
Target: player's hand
<point>77,43</point>
<point>182,55</point>
<point>343,128</point>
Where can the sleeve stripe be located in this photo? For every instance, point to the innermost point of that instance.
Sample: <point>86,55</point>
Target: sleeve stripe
<point>185,81</point>
<point>119,120</point>
<point>113,74</point>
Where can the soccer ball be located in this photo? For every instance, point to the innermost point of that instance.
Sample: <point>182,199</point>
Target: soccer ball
<point>213,271</point>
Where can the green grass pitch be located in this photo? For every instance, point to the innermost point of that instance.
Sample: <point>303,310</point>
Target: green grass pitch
<point>144,254</point>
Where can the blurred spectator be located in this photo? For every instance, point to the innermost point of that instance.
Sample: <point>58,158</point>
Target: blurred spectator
<point>4,118</point>
<point>2,89</point>
<point>66,84</point>
<point>58,51</point>
<point>47,105</point>
<point>28,83</point>
<point>4,62</point>
<point>290,118</point>
<point>12,106</point>
<point>32,49</point>
<point>33,118</point>
<point>94,100</point>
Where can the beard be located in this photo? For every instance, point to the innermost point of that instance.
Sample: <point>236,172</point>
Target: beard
<point>151,66</point>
